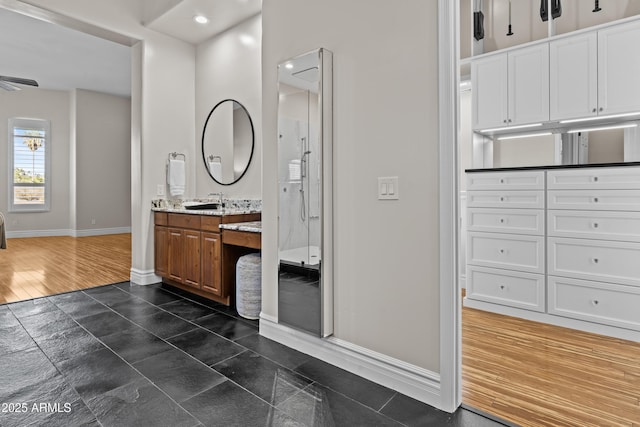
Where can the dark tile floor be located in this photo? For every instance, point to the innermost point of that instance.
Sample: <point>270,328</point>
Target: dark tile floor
<point>126,355</point>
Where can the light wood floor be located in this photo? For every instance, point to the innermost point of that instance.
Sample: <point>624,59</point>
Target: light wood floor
<point>39,266</point>
<point>535,374</point>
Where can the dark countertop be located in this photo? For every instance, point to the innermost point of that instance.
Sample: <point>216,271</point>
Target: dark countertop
<point>527,168</point>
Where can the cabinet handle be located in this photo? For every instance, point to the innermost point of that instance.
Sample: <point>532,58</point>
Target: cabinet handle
<point>504,121</point>
<point>596,260</point>
<point>501,180</point>
<point>501,199</point>
<point>501,220</point>
<point>601,108</point>
<point>502,287</point>
<point>509,120</point>
<point>594,110</point>
<point>595,179</point>
<point>595,225</point>
<point>501,251</point>
<point>595,200</point>
<point>595,302</point>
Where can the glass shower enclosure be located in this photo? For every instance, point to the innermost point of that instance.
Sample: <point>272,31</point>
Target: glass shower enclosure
<point>304,181</point>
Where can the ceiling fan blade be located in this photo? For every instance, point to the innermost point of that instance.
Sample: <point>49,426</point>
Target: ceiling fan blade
<point>18,80</point>
<point>8,86</point>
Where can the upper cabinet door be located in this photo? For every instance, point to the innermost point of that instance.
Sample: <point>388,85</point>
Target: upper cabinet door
<point>573,77</point>
<point>489,86</point>
<point>529,85</point>
<point>619,69</point>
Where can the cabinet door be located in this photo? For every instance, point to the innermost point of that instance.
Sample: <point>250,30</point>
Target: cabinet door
<point>191,258</point>
<point>489,91</point>
<point>161,248</point>
<point>528,85</point>
<point>211,263</point>
<point>175,256</point>
<point>619,69</point>
<point>573,79</point>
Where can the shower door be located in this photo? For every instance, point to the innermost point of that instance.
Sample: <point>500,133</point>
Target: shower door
<point>304,182</point>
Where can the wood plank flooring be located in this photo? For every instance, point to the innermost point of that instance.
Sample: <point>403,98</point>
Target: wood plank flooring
<point>534,374</point>
<point>39,266</point>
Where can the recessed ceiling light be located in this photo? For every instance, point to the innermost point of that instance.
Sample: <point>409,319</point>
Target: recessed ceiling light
<point>288,66</point>
<point>201,19</point>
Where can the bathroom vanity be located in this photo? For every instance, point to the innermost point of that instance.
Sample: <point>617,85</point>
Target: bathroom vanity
<point>189,251</point>
<point>557,244</point>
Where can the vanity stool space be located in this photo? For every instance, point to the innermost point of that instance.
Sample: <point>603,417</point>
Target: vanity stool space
<point>558,244</point>
<point>189,253</point>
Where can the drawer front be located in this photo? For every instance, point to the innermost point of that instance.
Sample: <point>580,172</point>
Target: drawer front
<point>506,199</point>
<point>611,200</point>
<point>608,261</point>
<point>160,218</point>
<point>606,303</point>
<point>601,178</point>
<point>510,251</point>
<point>515,289</point>
<point>521,180</point>
<point>184,221</point>
<point>603,225</point>
<point>517,221</point>
<point>210,223</point>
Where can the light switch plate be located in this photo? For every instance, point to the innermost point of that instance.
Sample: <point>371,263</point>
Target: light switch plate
<point>160,190</point>
<point>388,188</point>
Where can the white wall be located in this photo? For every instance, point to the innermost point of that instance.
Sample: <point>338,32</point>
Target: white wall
<point>228,67</point>
<point>102,161</point>
<point>385,124</point>
<point>531,151</point>
<point>50,105</point>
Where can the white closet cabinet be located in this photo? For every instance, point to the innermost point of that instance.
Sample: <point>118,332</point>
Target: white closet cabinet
<point>573,79</point>
<point>619,69</point>
<point>511,88</point>
<point>597,73</point>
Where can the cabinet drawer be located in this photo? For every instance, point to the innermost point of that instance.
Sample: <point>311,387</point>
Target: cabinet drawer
<point>510,251</point>
<point>604,225</point>
<point>518,221</point>
<point>608,261</point>
<point>595,178</point>
<point>515,289</point>
<point>506,199</point>
<point>608,200</point>
<point>210,223</point>
<point>606,303</point>
<point>184,221</point>
<point>529,180</point>
<point>160,218</point>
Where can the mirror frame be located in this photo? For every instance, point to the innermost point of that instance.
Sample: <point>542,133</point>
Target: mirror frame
<point>253,142</point>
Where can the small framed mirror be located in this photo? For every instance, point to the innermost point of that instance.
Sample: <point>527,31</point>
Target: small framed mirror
<point>228,140</point>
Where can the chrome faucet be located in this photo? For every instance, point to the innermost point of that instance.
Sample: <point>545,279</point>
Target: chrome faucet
<point>220,195</point>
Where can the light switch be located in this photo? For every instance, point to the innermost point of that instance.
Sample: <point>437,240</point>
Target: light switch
<point>160,190</point>
<point>388,188</point>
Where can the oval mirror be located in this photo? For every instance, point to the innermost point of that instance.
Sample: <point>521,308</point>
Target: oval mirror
<point>227,142</point>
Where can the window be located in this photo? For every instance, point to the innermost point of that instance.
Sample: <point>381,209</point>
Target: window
<point>29,165</point>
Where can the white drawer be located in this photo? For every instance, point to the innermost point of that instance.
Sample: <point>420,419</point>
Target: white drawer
<point>516,180</point>
<point>608,261</point>
<point>506,199</point>
<point>611,200</point>
<point>604,225</point>
<point>515,289</point>
<point>626,177</point>
<point>518,221</point>
<point>606,303</point>
<point>510,251</point>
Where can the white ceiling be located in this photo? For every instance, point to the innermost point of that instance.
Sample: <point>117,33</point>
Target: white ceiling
<point>61,58</point>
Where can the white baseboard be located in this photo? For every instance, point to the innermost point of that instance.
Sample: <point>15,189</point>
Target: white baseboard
<point>101,231</point>
<point>418,383</point>
<point>67,232</point>
<point>140,277</point>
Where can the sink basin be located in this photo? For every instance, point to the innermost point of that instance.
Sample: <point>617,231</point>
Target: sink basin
<point>201,206</point>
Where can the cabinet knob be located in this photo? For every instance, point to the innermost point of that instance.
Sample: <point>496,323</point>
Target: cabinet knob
<point>501,180</point>
<point>594,110</point>
<point>501,220</point>
<point>595,200</point>
<point>595,225</point>
<point>595,302</point>
<point>502,287</point>
<point>596,260</point>
<point>595,179</point>
<point>509,120</point>
<point>504,121</point>
<point>501,199</point>
<point>501,251</point>
<point>601,108</point>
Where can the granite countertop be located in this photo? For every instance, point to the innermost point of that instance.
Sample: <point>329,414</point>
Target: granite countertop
<point>251,226</point>
<point>231,206</point>
<point>524,168</point>
<point>210,212</point>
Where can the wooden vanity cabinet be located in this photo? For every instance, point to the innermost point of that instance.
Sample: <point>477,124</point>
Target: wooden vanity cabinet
<point>188,253</point>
